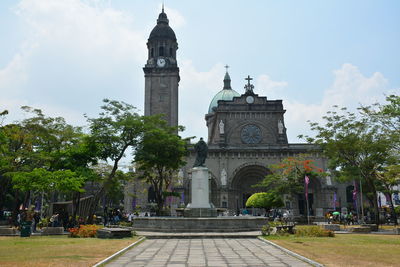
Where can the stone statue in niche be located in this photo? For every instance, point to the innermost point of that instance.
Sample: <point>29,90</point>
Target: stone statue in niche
<point>221,127</point>
<point>280,127</point>
<point>223,177</point>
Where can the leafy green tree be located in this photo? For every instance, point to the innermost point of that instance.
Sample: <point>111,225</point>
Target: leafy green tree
<point>159,156</point>
<point>38,152</point>
<point>356,148</point>
<point>41,179</point>
<point>287,177</point>
<point>265,200</point>
<point>388,178</point>
<point>387,116</point>
<point>117,128</point>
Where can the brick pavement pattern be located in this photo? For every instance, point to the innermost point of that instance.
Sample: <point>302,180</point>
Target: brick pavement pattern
<point>205,252</point>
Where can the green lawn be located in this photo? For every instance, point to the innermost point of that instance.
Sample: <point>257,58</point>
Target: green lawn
<point>345,249</point>
<point>57,250</point>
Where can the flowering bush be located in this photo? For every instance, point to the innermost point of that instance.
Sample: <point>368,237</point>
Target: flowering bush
<point>89,230</point>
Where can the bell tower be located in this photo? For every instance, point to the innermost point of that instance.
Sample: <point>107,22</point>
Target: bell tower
<point>161,72</point>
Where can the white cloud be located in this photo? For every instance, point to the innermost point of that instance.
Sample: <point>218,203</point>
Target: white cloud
<point>196,90</point>
<point>267,87</point>
<point>75,53</point>
<point>176,19</point>
<point>350,88</point>
<point>13,75</point>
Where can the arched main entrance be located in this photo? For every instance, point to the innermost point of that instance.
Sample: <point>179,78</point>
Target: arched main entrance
<point>242,185</point>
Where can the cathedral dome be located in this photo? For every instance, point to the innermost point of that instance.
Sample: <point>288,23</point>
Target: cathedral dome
<point>225,94</point>
<point>162,30</point>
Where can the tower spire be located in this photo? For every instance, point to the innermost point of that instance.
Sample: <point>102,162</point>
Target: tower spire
<point>227,79</point>
<point>162,11</point>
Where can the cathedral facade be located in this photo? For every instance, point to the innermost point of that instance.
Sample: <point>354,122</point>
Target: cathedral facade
<point>246,134</point>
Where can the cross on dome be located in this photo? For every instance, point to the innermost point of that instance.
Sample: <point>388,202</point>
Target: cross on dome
<point>226,67</point>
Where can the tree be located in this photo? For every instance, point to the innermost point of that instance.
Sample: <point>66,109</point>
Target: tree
<point>265,201</point>
<point>287,177</point>
<point>356,148</point>
<point>387,116</point>
<point>117,128</point>
<point>159,156</point>
<point>41,155</point>
<point>388,178</point>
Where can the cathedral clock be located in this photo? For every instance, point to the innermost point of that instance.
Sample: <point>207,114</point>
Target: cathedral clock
<point>251,134</point>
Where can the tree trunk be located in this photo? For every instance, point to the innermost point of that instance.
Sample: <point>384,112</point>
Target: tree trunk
<point>370,182</point>
<point>17,203</point>
<point>94,204</point>
<point>393,215</point>
<point>75,206</point>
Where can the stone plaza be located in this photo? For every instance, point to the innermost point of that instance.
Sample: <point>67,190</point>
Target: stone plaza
<point>205,252</point>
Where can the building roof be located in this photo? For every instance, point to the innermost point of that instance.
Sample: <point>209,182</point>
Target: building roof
<point>225,94</point>
<point>162,30</point>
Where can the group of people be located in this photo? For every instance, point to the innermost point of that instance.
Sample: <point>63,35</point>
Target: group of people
<point>343,218</point>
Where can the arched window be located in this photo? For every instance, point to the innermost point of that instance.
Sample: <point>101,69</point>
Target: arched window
<point>170,52</point>
<point>152,52</point>
<point>161,51</point>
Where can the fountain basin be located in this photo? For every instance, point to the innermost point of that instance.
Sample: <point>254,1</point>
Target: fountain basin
<point>210,224</point>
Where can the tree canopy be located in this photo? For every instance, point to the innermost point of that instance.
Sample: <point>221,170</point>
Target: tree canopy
<point>287,177</point>
<point>159,157</point>
<point>360,146</point>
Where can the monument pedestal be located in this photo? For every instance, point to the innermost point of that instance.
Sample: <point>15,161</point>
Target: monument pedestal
<point>200,203</point>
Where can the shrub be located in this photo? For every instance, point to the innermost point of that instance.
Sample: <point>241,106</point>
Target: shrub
<point>44,222</point>
<point>270,227</point>
<point>89,230</point>
<point>397,210</point>
<point>314,231</point>
<point>264,200</point>
<point>266,230</point>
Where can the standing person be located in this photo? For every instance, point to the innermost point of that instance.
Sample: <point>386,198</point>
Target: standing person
<point>36,220</point>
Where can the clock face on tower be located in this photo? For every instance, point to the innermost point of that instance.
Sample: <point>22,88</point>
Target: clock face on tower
<point>250,99</point>
<point>161,62</point>
<point>251,134</point>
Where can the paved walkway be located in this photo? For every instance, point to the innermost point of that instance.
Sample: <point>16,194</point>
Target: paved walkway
<point>205,252</point>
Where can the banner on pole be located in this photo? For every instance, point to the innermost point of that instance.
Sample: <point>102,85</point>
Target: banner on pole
<point>306,182</point>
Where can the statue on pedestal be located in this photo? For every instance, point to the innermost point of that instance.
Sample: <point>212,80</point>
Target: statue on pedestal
<point>201,151</point>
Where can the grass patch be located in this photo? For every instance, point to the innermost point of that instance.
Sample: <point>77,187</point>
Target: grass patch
<point>345,249</point>
<point>57,250</point>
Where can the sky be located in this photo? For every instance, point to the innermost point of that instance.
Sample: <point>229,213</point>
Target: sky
<point>65,56</point>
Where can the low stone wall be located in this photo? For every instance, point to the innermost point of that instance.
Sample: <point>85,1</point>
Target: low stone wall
<point>373,227</point>
<point>114,233</point>
<point>8,231</point>
<point>52,231</point>
<point>217,224</point>
<point>362,229</point>
<point>331,227</point>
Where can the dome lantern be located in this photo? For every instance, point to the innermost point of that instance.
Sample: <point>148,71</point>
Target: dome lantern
<point>227,93</point>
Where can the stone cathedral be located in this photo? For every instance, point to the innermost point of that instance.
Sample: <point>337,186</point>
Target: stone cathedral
<point>246,134</point>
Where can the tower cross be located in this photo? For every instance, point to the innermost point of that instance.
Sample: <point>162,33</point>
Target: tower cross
<point>226,67</point>
<point>248,79</point>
